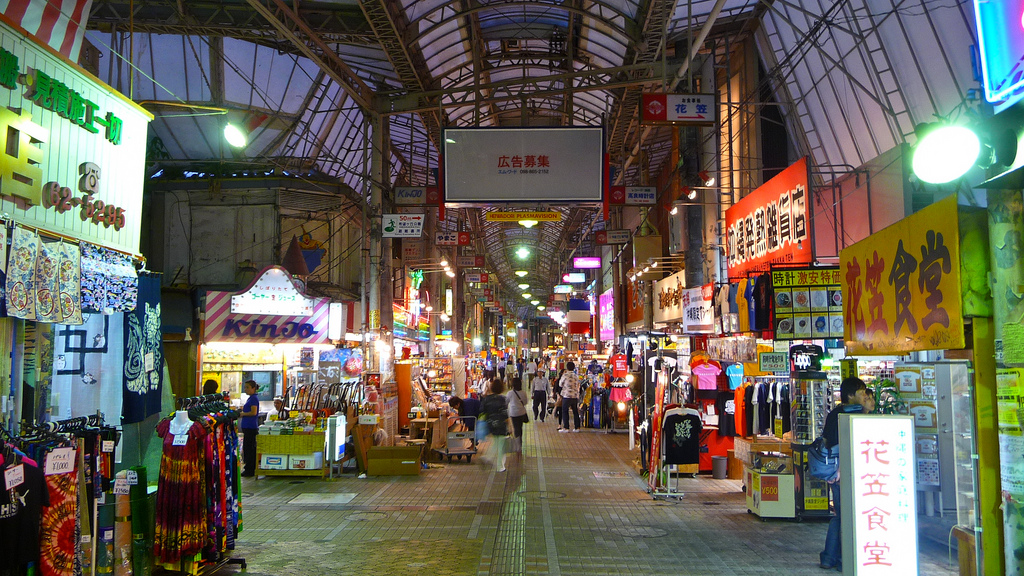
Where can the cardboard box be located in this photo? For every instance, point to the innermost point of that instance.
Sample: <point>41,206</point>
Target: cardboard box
<point>393,461</point>
<point>313,461</point>
<point>274,461</point>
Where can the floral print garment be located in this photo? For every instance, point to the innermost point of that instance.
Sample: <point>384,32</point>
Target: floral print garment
<point>21,274</point>
<point>109,281</point>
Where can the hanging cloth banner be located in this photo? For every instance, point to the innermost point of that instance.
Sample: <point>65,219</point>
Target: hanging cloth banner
<point>69,284</point>
<point>21,274</point>
<point>109,281</point>
<point>47,308</point>
<point>3,270</point>
<point>143,354</point>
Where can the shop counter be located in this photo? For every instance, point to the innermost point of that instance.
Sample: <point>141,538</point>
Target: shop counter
<point>296,455</point>
<point>715,444</point>
<point>770,495</point>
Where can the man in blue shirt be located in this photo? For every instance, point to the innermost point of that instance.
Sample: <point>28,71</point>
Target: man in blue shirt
<point>856,399</point>
<point>250,426</point>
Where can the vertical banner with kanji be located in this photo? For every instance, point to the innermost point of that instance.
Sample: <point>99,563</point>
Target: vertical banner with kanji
<point>879,498</point>
<point>901,285</point>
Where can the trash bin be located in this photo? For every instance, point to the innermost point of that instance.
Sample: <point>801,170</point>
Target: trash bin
<point>719,467</point>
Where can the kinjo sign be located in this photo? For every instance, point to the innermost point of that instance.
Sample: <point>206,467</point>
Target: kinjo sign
<point>901,285</point>
<point>273,293</point>
<point>771,225</point>
<point>222,325</point>
<point>878,494</point>
<point>415,196</point>
<point>76,154</point>
<point>696,109</point>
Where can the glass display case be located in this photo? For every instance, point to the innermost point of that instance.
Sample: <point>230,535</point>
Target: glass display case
<point>965,453</point>
<point>810,402</point>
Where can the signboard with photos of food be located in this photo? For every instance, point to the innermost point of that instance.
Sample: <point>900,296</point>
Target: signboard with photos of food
<point>808,303</point>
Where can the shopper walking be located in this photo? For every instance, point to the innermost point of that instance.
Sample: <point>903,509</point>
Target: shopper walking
<point>531,371</point>
<point>854,398</point>
<point>540,388</point>
<point>556,391</point>
<point>501,367</point>
<point>517,413</point>
<point>250,426</point>
<point>570,383</point>
<point>494,408</point>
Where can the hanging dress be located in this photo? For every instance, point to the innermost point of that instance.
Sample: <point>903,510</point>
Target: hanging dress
<point>181,522</point>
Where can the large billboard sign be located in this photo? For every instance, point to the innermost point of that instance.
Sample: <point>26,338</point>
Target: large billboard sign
<point>771,225</point>
<point>523,165</point>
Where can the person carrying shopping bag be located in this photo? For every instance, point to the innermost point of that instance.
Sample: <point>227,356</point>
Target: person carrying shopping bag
<point>517,413</point>
<point>494,407</point>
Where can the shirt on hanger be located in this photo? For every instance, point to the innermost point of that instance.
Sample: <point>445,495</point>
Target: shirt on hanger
<point>20,511</point>
<point>734,372</point>
<point>741,306</point>
<point>707,376</point>
<point>740,412</point>
<point>725,406</point>
<point>751,316</point>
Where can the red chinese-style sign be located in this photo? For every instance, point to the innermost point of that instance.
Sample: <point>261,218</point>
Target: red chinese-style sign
<point>771,225</point>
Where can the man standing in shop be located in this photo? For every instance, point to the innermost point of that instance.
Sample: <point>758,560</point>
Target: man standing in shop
<point>855,396</point>
<point>250,428</point>
<point>570,383</point>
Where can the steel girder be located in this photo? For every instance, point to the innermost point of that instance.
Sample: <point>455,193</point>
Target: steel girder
<point>335,24</point>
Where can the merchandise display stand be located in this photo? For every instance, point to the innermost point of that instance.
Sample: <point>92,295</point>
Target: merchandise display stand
<point>291,446</point>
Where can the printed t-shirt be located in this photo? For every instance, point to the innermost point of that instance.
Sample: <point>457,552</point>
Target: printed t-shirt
<point>725,406</point>
<point>734,372</point>
<point>751,315</point>
<point>707,376</point>
<point>20,513</point>
<point>620,365</point>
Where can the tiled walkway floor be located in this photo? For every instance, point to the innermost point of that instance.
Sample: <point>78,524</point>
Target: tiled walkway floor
<point>548,514</point>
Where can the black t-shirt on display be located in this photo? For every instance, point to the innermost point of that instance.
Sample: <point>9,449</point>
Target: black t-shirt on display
<point>748,409</point>
<point>725,407</point>
<point>763,301</point>
<point>682,439</point>
<point>20,510</point>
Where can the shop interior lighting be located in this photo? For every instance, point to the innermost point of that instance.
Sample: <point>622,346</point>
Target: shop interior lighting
<point>944,152</point>
<point>443,263</point>
<point>235,136</point>
<point>542,308</point>
<point>528,223</point>
<point>674,210</point>
<point>527,295</point>
<point>524,286</point>
<point>535,302</point>
<point>449,273</point>
<point>445,317</point>
<point>477,342</point>
<point>523,252</point>
<point>429,308</point>
<point>521,273</point>
<point>706,178</point>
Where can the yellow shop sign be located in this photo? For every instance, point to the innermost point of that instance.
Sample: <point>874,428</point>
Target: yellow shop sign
<point>901,285</point>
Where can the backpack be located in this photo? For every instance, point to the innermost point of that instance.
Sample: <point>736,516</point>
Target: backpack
<point>823,462</point>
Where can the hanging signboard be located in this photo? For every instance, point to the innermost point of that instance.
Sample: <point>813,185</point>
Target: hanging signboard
<point>668,298</point>
<point>273,293</point>
<point>574,277</point>
<point>586,262</point>
<point>517,216</point>
<point>470,261</point>
<point>223,325</point>
<point>402,225</point>
<point>808,303</point>
<point>771,225</point>
<point>698,310</point>
<point>633,195</point>
<point>606,311</point>
<point>692,109</point>
<point>901,285</point>
<point>502,165</point>
<point>415,196</point>
<point>773,362</point>
<point>635,300</point>
<point>476,277</point>
<point>878,494</point>
<point>611,236</point>
<point>412,249</point>
<point>76,149</point>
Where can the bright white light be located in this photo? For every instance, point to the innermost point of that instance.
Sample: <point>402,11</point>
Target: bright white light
<point>674,210</point>
<point>528,223</point>
<point>450,141</point>
<point>235,137</point>
<point>527,295</point>
<point>621,406</point>
<point>523,252</point>
<point>431,373</point>
<point>444,263</point>
<point>520,324</point>
<point>534,302</point>
<point>524,286</point>
<point>383,350</point>
<point>445,317</point>
<point>647,268</point>
<point>429,308</point>
<point>654,264</point>
<point>449,273</point>
<point>541,308</point>
<point>945,154</point>
<point>710,181</point>
<point>521,273</point>
<point>477,342</point>
<point>691,194</point>
<point>630,378</point>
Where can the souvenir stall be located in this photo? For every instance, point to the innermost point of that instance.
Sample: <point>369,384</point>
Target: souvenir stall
<point>276,335</point>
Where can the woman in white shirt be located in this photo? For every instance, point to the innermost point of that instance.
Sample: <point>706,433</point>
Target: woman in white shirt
<point>517,412</point>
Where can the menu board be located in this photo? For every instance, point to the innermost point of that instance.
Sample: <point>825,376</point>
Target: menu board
<point>808,303</point>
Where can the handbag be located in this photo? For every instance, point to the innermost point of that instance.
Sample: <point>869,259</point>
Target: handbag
<point>823,462</point>
<point>526,416</point>
<point>481,430</point>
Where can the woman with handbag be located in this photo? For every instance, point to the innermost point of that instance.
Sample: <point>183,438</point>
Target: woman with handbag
<point>494,407</point>
<point>517,412</point>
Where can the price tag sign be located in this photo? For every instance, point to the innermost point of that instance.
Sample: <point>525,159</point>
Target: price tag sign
<point>149,359</point>
<point>86,539</point>
<point>180,440</point>
<point>14,476</point>
<point>121,487</point>
<point>133,477</point>
<point>108,446</point>
<point>60,461</point>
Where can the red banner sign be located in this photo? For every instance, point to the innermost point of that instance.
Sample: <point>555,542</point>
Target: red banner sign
<point>771,225</point>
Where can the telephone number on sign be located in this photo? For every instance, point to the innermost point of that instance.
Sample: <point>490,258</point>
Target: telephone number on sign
<point>61,199</point>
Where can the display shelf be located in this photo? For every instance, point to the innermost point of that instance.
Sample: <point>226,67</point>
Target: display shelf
<point>290,445</point>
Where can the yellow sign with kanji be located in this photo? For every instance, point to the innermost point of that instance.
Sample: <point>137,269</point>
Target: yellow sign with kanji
<point>901,285</point>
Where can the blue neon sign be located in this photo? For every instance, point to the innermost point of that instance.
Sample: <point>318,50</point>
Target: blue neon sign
<point>1001,44</point>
